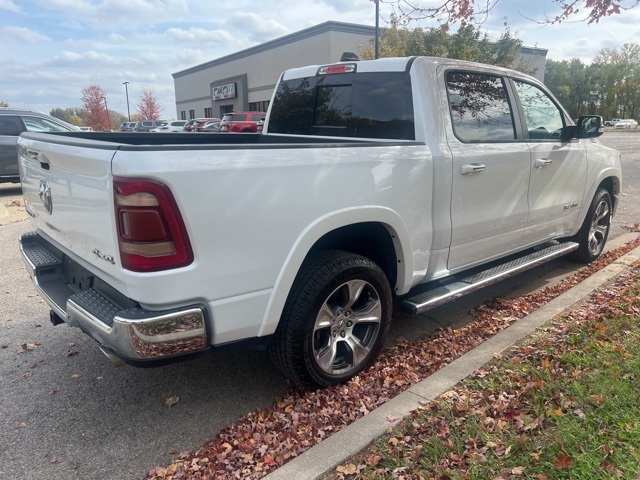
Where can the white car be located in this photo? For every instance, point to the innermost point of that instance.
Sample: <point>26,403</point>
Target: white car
<point>627,123</point>
<point>170,127</point>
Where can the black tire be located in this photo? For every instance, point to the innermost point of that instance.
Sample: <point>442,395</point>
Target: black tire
<point>334,321</point>
<point>595,229</point>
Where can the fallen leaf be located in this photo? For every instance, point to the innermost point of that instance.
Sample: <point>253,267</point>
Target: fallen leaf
<point>75,375</point>
<point>22,425</point>
<point>373,460</point>
<point>169,402</point>
<point>27,346</point>
<point>347,469</point>
<point>55,458</point>
<point>563,462</point>
<point>517,470</point>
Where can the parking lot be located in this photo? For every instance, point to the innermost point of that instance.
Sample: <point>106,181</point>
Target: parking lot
<point>68,413</point>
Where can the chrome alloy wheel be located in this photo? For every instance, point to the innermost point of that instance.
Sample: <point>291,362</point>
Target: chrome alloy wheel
<point>599,228</point>
<point>347,327</point>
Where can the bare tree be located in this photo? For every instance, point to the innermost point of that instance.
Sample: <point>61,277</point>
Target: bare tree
<point>149,106</point>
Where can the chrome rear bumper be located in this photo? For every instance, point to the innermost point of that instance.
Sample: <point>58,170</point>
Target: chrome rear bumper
<point>117,323</point>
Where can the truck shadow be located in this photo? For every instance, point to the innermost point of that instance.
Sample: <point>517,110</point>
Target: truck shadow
<point>10,189</point>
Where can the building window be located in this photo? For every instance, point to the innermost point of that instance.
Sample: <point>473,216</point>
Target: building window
<point>225,109</point>
<point>183,115</point>
<point>208,112</point>
<point>259,106</point>
<point>192,114</point>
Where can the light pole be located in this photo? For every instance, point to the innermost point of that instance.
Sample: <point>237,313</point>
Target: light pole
<point>126,90</point>
<point>107,109</point>
<point>377,2</point>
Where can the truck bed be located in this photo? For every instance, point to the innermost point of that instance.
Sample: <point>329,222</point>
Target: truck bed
<point>223,139</point>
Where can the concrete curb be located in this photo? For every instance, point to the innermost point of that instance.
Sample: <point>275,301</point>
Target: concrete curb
<point>349,441</point>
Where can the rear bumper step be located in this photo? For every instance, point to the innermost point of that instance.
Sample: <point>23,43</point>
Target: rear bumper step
<point>118,324</point>
<point>415,304</point>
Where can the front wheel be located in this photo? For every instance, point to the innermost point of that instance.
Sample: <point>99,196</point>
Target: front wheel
<point>595,229</point>
<point>334,321</point>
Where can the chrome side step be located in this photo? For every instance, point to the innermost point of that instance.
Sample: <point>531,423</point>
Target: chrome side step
<point>415,304</point>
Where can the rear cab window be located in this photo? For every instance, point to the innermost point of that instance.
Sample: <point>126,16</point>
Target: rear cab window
<point>359,105</point>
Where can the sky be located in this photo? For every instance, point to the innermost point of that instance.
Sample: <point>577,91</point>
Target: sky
<point>51,49</point>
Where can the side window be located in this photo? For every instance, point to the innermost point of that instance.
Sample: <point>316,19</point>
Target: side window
<point>480,110</point>
<point>544,119</point>
<point>9,126</point>
<point>37,124</point>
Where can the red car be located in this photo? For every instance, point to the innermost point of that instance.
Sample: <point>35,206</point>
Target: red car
<point>193,124</point>
<point>241,121</point>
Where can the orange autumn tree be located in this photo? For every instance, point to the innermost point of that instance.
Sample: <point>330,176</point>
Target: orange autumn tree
<point>94,107</point>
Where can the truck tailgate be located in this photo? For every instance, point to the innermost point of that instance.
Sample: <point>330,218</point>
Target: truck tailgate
<point>68,191</point>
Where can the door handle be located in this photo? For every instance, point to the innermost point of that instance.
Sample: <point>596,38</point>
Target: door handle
<point>542,162</point>
<point>472,168</point>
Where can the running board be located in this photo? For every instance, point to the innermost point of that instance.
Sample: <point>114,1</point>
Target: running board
<point>425,300</point>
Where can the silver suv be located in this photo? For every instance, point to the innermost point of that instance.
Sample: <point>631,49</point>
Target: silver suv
<point>12,123</point>
<point>147,125</point>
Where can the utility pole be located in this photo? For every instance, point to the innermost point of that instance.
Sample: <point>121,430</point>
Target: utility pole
<point>107,109</point>
<point>377,2</point>
<point>126,90</point>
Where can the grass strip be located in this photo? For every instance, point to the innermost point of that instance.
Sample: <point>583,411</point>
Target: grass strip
<point>562,405</point>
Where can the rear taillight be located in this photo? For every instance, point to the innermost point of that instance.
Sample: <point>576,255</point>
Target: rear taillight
<point>151,233</point>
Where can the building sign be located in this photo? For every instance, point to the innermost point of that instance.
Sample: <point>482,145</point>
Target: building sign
<point>224,91</point>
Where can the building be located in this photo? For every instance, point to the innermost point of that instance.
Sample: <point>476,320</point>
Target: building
<point>245,80</point>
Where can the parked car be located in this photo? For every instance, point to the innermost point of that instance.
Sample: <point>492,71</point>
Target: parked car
<point>12,123</point>
<point>612,122</point>
<point>201,122</point>
<point>241,121</point>
<point>127,126</point>
<point>190,126</point>
<point>134,241</point>
<point>209,127</point>
<point>260,125</point>
<point>86,129</point>
<point>626,124</point>
<point>172,126</point>
<point>147,125</point>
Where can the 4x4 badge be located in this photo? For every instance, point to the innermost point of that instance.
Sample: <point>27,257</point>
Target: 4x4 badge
<point>45,196</point>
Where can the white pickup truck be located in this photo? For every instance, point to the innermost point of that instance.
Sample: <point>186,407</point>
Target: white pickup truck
<point>401,182</point>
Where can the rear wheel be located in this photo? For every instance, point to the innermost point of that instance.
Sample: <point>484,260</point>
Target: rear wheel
<point>595,229</point>
<point>334,320</point>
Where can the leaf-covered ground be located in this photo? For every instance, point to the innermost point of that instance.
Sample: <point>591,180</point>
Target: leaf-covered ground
<point>563,404</point>
<point>265,439</point>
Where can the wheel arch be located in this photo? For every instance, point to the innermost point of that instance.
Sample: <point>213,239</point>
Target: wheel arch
<point>610,181</point>
<point>374,232</point>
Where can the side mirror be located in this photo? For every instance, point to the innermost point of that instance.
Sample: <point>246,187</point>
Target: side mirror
<point>589,126</point>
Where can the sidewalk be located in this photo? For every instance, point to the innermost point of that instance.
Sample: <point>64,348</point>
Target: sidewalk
<point>351,440</point>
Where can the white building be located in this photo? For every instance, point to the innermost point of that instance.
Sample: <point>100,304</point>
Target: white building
<point>245,80</point>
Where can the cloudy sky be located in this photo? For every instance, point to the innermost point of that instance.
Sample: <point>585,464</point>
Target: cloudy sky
<point>51,49</point>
